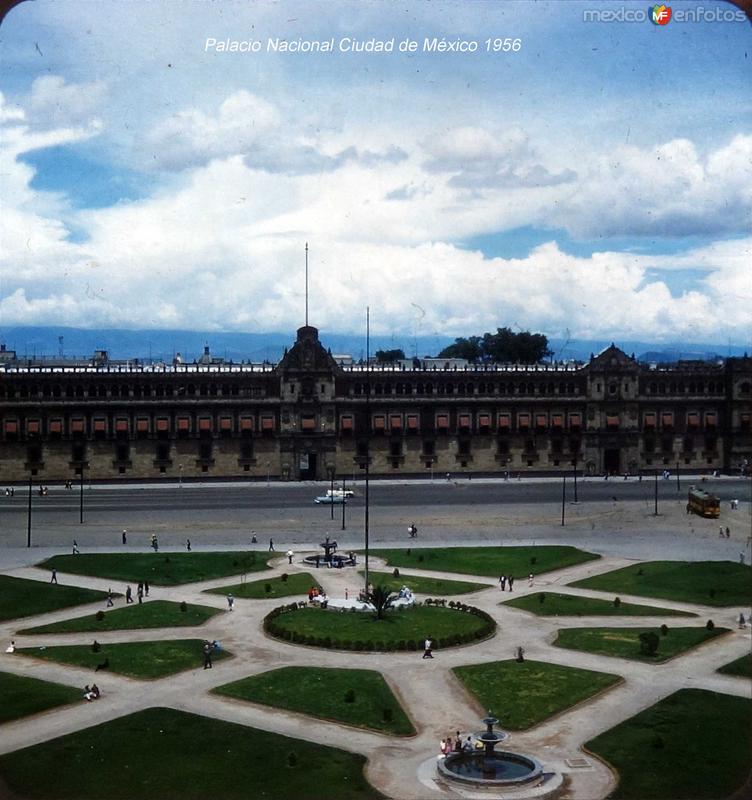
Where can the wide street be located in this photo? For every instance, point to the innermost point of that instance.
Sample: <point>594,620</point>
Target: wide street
<point>455,512</point>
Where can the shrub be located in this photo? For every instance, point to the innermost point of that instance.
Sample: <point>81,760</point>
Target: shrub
<point>184,606</point>
<point>395,573</point>
<point>533,560</point>
<point>387,715</point>
<point>640,571</point>
<point>99,615</point>
<point>710,625</point>
<point>542,597</point>
<point>283,577</point>
<point>664,630</point>
<point>267,587</point>
<point>409,551</point>
<point>712,592</point>
<point>657,742</point>
<point>649,643</point>
<point>350,696</point>
<point>420,558</point>
<point>292,759</point>
<point>95,647</point>
<point>617,602</point>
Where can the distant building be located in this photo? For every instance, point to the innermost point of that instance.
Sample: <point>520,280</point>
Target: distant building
<point>313,414</point>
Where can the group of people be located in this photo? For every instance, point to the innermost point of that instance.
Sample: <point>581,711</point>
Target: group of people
<point>142,590</point>
<point>209,648</point>
<point>508,579</point>
<point>316,595</point>
<point>724,534</point>
<point>9,491</point>
<point>457,745</point>
<point>92,693</point>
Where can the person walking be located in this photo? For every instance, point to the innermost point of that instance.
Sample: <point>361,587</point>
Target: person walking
<point>140,592</point>
<point>511,582</point>
<point>530,579</point>
<point>207,655</point>
<point>289,556</point>
<point>124,536</point>
<point>53,579</point>
<point>128,595</point>
<point>75,548</point>
<point>728,532</point>
<point>503,582</point>
<point>188,545</point>
<point>720,532</point>
<point>428,647</point>
<point>110,603</point>
<point>271,545</point>
<point>230,602</point>
<point>146,588</point>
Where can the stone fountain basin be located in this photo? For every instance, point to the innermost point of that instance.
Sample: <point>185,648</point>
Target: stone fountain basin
<point>503,768</point>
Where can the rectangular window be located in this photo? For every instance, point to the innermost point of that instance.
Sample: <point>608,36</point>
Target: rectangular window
<point>267,423</point>
<point>247,424</point>
<point>77,425</point>
<point>575,421</point>
<point>612,422</point>
<point>711,419</point>
<point>744,422</point>
<point>142,425</point>
<point>184,424</point>
<point>541,420</point>
<point>667,419</point>
<point>32,427</point>
<point>413,422</point>
<point>121,425</point>
<point>163,425</point>
<point>395,422</point>
<point>56,426</point>
<point>379,422</point>
<point>100,426</point>
<point>308,422</point>
<point>11,426</point>
<point>225,424</point>
<point>693,419</point>
<point>463,421</point>
<point>557,421</point>
<point>523,421</point>
<point>484,421</point>
<point>442,422</point>
<point>505,422</point>
<point>205,424</point>
<point>347,423</point>
<point>648,420</point>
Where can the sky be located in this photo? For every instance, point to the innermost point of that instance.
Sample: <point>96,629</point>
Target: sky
<point>536,165</point>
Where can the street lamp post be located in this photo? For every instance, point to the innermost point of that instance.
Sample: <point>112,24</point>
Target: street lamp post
<point>268,479</point>
<point>575,477</point>
<point>28,520</point>
<point>331,492</point>
<point>655,513</point>
<point>344,500</point>
<point>81,498</point>
<point>678,482</point>
<point>563,496</point>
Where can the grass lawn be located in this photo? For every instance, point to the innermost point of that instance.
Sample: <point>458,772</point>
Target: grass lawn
<point>20,696</point>
<point>161,569</point>
<point>742,667</point>
<point>625,642</point>
<point>151,614</point>
<point>20,597</point>
<point>487,561</point>
<point>323,692</point>
<point>135,659</point>
<point>524,694</point>
<point>435,587</point>
<point>171,755</point>
<point>712,583</point>
<point>362,631</point>
<point>569,605</point>
<point>297,583</point>
<point>693,745</point>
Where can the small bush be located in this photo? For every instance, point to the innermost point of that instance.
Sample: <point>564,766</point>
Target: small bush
<point>420,558</point>
<point>542,597</point>
<point>292,759</point>
<point>350,696</point>
<point>617,602</point>
<point>710,625</point>
<point>664,630</point>
<point>712,592</point>
<point>640,571</point>
<point>387,715</point>
<point>283,577</point>
<point>184,607</point>
<point>533,560</point>
<point>395,573</point>
<point>267,587</point>
<point>96,647</point>
<point>657,742</point>
<point>409,551</point>
<point>99,615</point>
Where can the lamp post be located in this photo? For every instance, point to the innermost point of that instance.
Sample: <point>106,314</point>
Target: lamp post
<point>331,493</point>
<point>575,477</point>
<point>655,513</point>
<point>28,518</point>
<point>268,479</point>
<point>344,500</point>
<point>678,482</point>
<point>81,498</point>
<point>563,496</point>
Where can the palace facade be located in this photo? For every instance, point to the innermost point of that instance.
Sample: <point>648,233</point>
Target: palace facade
<point>309,417</point>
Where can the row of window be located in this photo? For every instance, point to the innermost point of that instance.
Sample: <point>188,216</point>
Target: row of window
<point>116,390</point>
<point>449,388</point>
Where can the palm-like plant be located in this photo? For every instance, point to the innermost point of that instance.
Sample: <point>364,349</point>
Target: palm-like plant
<point>381,599</point>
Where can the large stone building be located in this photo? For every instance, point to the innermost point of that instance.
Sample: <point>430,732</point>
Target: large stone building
<point>310,416</point>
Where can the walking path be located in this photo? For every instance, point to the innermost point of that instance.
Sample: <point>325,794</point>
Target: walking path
<point>434,699</point>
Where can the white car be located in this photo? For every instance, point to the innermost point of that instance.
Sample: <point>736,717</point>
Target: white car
<point>340,493</point>
<point>330,498</point>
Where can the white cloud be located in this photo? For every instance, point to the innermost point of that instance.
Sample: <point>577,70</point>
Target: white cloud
<point>54,103</point>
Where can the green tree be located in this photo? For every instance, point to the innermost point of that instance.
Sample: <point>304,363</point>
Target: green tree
<point>389,356</point>
<point>464,348</point>
<point>381,599</point>
<point>504,346</point>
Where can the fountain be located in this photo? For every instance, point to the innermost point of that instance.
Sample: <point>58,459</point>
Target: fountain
<point>330,557</point>
<point>489,767</point>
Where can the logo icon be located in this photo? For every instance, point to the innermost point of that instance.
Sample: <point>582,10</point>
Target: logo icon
<point>660,14</point>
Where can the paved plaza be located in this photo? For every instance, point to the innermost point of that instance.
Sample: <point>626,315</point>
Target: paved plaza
<point>623,533</point>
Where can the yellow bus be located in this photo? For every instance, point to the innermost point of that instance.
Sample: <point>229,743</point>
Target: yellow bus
<point>703,503</point>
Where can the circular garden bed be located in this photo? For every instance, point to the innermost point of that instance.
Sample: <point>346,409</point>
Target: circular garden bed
<point>406,629</point>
